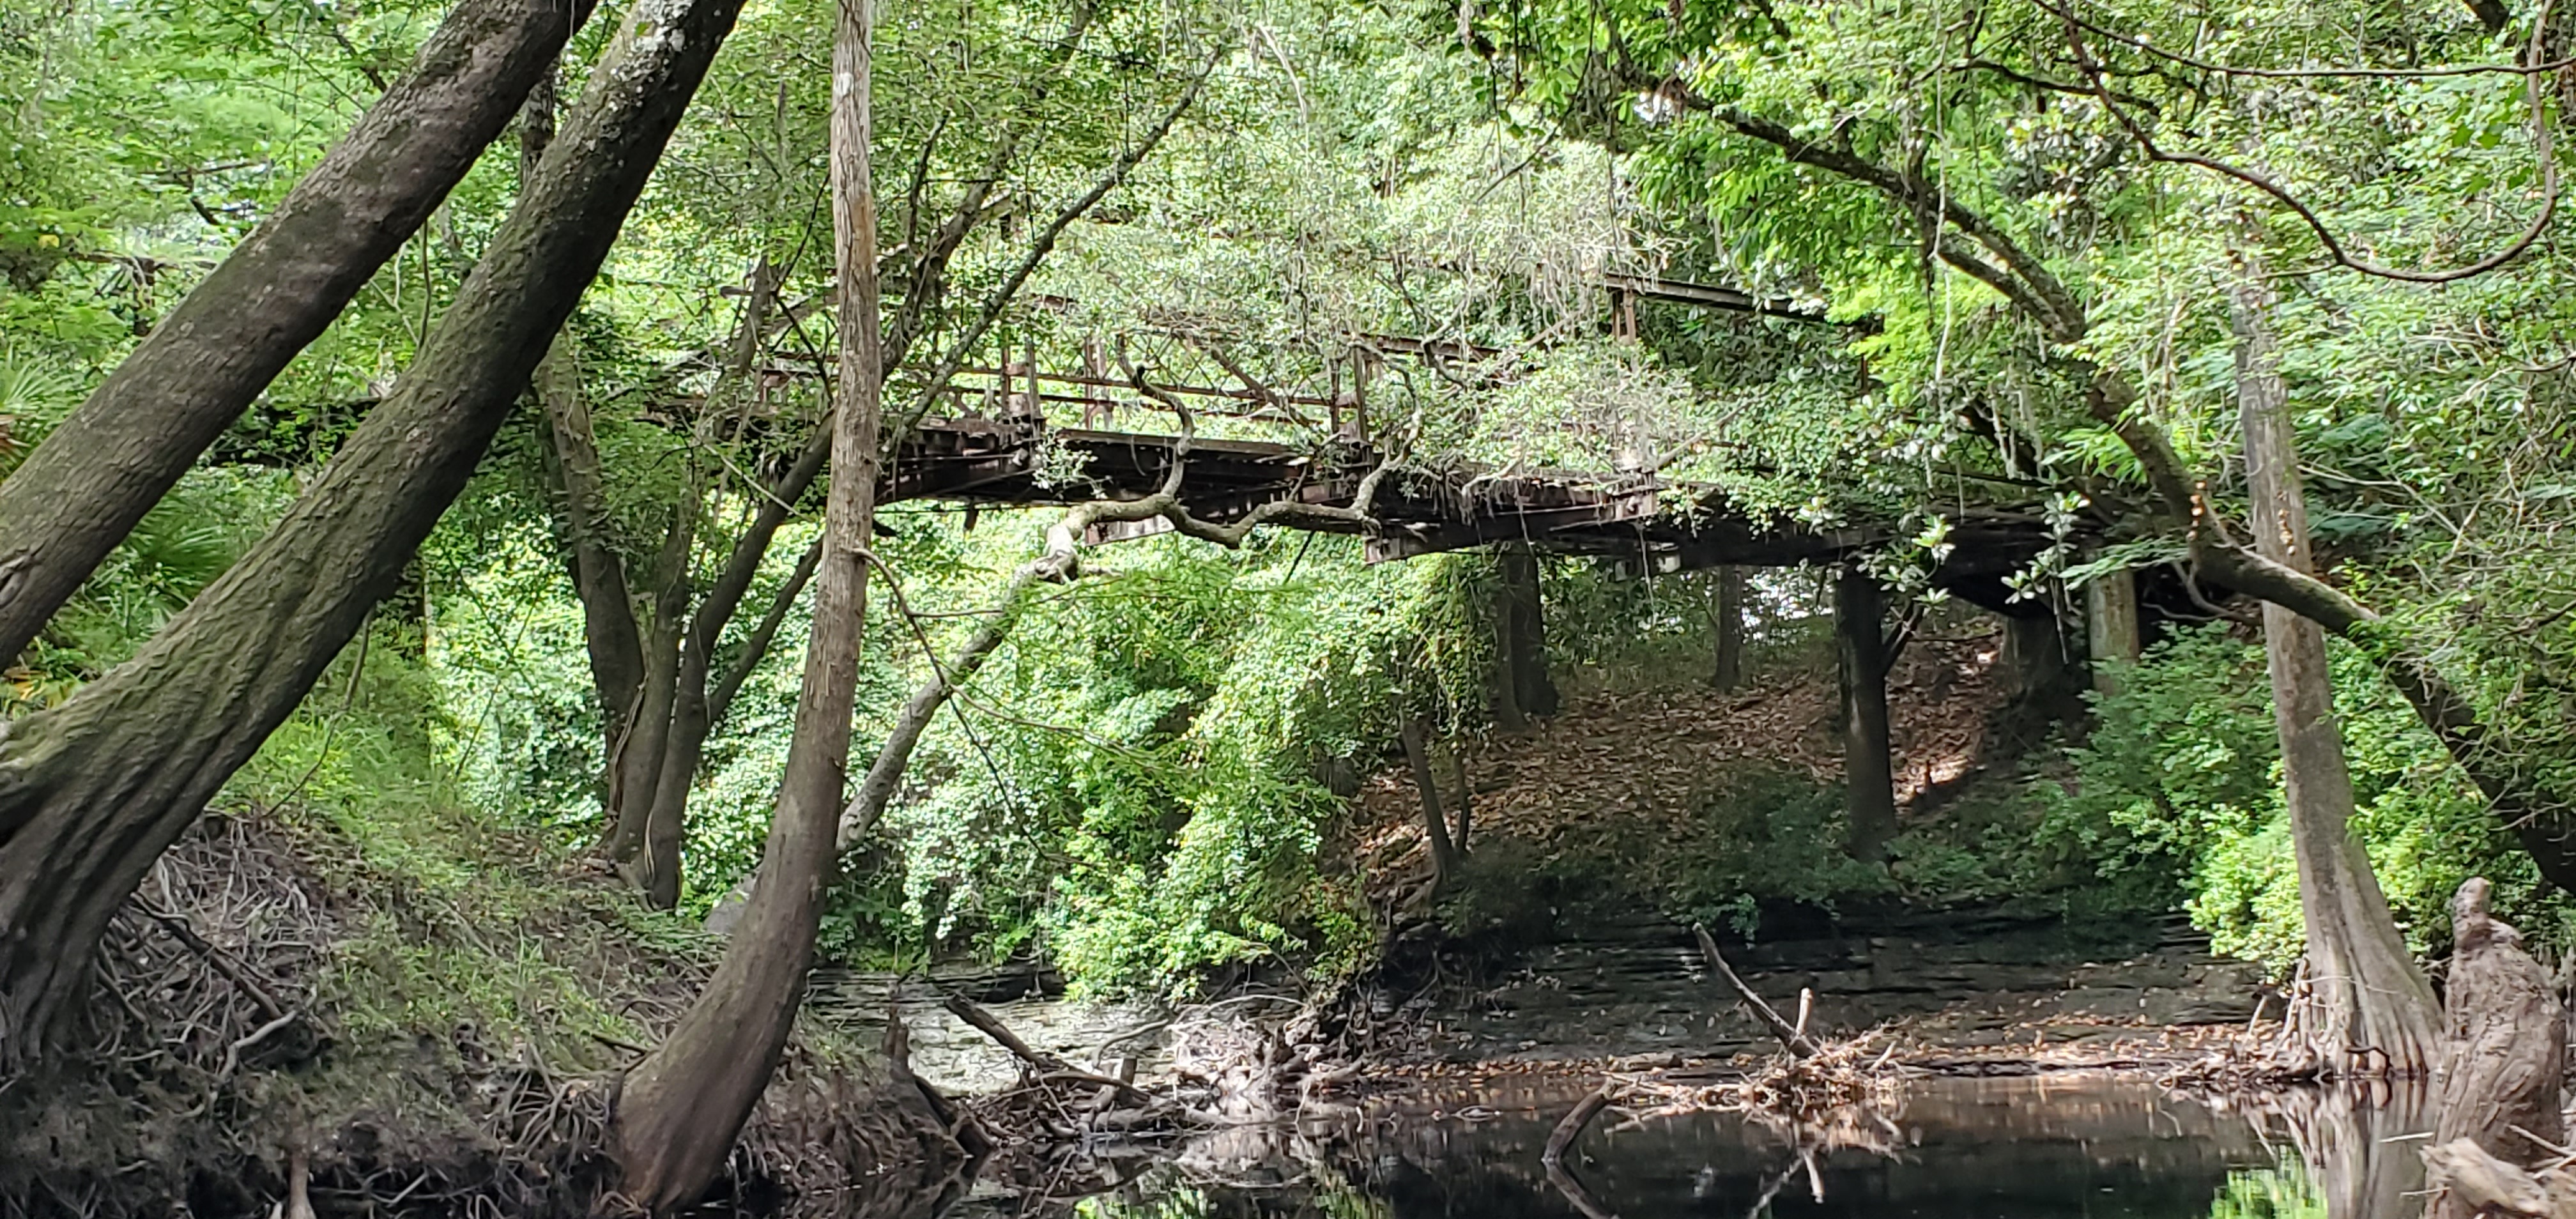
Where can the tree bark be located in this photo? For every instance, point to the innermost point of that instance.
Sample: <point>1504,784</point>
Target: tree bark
<point>1869,773</point>
<point>1435,822</point>
<point>1726,623</point>
<point>2111,626</point>
<point>92,791</point>
<point>2507,1048</point>
<point>2374,1012</point>
<point>684,1105</point>
<point>78,494</point>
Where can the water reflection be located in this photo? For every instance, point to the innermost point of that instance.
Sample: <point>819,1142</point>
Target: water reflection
<point>1987,1149</point>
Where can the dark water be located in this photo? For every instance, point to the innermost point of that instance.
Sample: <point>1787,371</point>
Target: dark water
<point>1952,1149</point>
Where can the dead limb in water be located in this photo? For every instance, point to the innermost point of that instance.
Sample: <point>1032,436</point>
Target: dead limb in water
<point>1561,1139</point>
<point>1793,1037</point>
<point>2466,1180</point>
<point>1044,1066</point>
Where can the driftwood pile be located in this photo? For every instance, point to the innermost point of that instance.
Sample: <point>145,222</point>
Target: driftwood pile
<point>1067,1130</point>
<point>1817,1095</point>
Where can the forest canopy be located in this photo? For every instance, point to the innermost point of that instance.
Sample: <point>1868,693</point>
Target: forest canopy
<point>1057,497</point>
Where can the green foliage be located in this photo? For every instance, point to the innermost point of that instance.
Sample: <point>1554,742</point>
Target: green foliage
<point>2177,791</point>
<point>2285,1192</point>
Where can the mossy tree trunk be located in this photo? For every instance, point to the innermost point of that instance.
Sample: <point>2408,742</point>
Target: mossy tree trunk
<point>79,493</point>
<point>2374,1011</point>
<point>684,1105</point>
<point>1869,768</point>
<point>92,791</point>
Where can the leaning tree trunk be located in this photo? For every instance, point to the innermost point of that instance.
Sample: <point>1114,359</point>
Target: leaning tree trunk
<point>92,792</point>
<point>570,452</point>
<point>1435,822</point>
<point>2507,1050</point>
<point>1869,770</point>
<point>82,490</point>
<point>2374,1012</point>
<point>684,1105</point>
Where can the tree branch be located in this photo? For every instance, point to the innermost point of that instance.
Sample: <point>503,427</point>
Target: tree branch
<point>2335,251</point>
<point>756,647</point>
<point>930,267</point>
<point>1001,297</point>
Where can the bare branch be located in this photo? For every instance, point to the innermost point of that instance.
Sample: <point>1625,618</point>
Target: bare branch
<point>2335,251</point>
<point>2139,44</point>
<point>1009,290</point>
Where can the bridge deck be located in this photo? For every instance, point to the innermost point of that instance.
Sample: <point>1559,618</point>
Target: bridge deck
<point>1648,524</point>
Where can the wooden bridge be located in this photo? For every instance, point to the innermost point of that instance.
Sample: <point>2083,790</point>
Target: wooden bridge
<point>999,446</point>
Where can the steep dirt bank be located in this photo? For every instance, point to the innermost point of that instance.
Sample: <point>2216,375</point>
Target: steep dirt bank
<point>423,1016</point>
<point>1603,832</point>
<point>1656,756</point>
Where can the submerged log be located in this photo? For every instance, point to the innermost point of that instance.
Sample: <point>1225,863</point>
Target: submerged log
<point>2502,1064</point>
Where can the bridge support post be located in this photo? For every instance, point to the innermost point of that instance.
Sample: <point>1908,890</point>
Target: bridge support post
<point>1522,689</point>
<point>2111,625</point>
<point>1726,625</point>
<point>1869,771</point>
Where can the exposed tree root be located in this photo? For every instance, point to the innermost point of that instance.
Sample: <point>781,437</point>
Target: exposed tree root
<point>219,1070</point>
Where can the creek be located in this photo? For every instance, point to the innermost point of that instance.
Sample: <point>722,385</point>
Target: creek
<point>2099,1147</point>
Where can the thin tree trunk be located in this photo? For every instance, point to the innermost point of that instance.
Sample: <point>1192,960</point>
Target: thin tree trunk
<point>1869,777</point>
<point>1726,622</point>
<point>2374,1011</point>
<point>1435,823</point>
<point>92,791</point>
<point>655,869</point>
<point>566,441</point>
<point>756,647</point>
<point>82,491</point>
<point>1466,793</point>
<point>635,763</point>
<point>684,1105</point>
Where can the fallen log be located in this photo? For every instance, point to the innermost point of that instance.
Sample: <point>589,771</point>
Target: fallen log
<point>1045,1066</point>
